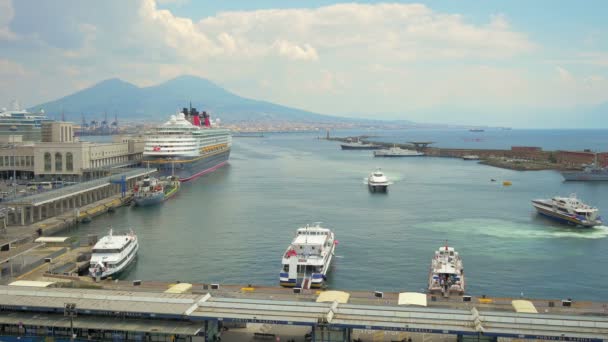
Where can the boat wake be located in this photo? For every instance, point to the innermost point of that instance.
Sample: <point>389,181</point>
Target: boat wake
<point>516,230</point>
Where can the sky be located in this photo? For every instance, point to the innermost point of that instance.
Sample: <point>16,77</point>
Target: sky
<point>507,63</point>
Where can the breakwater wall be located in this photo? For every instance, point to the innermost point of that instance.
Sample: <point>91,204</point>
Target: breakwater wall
<point>517,157</point>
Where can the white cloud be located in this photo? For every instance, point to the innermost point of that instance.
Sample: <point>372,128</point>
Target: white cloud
<point>343,58</point>
<point>6,15</point>
<point>294,51</point>
<point>564,74</point>
<point>10,69</point>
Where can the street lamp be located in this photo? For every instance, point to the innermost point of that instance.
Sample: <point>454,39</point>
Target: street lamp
<point>69,309</point>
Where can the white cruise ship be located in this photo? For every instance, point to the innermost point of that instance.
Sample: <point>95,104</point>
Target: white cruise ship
<point>447,272</point>
<point>308,258</point>
<point>17,121</point>
<point>187,148</point>
<point>112,254</point>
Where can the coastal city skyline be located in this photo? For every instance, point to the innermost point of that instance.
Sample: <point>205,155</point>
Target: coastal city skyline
<point>489,64</point>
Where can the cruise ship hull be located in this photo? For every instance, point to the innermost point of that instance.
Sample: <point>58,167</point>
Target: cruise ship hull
<point>398,155</point>
<point>145,201</point>
<point>189,168</point>
<point>585,176</point>
<point>563,218</point>
<point>360,147</point>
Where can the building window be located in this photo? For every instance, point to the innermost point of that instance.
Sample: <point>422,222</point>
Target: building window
<point>58,162</point>
<point>69,162</point>
<point>47,161</point>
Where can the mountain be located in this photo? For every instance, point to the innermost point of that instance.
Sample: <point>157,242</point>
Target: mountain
<point>115,96</point>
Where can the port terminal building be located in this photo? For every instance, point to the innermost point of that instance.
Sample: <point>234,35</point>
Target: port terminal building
<point>60,157</point>
<point>202,313</point>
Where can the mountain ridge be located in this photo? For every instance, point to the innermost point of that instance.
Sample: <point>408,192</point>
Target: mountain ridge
<point>116,96</point>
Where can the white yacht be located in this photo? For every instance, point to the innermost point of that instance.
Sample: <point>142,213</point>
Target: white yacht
<point>307,259</point>
<point>470,157</point>
<point>377,181</point>
<point>569,210</point>
<point>397,152</point>
<point>112,254</point>
<point>447,273</point>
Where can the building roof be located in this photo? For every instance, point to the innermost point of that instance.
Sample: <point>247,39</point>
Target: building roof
<point>331,296</point>
<point>52,239</point>
<point>106,323</point>
<point>179,288</point>
<point>524,306</point>
<point>99,300</point>
<point>412,298</point>
<point>31,283</point>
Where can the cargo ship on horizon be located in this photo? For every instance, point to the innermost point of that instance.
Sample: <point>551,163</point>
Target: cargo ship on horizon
<point>186,147</point>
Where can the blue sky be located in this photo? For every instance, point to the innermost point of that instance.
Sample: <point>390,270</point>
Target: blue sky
<point>511,63</point>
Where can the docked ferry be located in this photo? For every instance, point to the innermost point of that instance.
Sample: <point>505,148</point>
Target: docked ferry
<point>186,147</point>
<point>447,272</point>
<point>151,190</point>
<point>112,254</point>
<point>307,259</point>
<point>569,210</point>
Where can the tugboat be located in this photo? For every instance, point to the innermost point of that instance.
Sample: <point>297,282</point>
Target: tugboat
<point>377,181</point>
<point>112,254</point>
<point>447,273</point>
<point>150,190</point>
<point>569,210</point>
<point>307,259</point>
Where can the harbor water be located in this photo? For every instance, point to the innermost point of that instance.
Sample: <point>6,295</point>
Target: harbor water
<point>233,225</point>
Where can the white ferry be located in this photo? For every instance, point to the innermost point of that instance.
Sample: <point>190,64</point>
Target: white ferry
<point>112,254</point>
<point>569,210</point>
<point>447,273</point>
<point>377,181</point>
<point>307,259</point>
<point>186,147</point>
